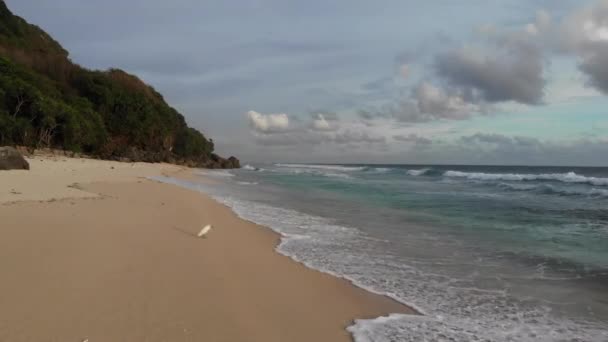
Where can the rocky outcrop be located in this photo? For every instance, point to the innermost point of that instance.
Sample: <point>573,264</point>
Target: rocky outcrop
<point>132,155</point>
<point>217,162</point>
<point>11,159</point>
<point>234,163</point>
<point>213,161</point>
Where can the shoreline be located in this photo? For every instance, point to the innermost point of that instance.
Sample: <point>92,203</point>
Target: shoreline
<point>112,257</point>
<point>187,175</point>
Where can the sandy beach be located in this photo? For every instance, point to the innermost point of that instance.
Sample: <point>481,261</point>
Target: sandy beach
<point>92,250</point>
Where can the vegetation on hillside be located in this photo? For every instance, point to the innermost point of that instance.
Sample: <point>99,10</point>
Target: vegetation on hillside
<point>48,101</point>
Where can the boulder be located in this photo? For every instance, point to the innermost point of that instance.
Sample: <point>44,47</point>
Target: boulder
<point>11,159</point>
<point>234,163</point>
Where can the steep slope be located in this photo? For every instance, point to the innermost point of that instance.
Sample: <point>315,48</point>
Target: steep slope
<point>48,101</point>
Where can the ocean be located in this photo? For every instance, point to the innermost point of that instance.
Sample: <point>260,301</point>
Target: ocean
<point>485,253</point>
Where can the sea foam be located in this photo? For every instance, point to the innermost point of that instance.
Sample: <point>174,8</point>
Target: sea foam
<point>323,167</point>
<point>569,177</point>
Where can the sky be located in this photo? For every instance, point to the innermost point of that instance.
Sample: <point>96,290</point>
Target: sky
<point>520,82</point>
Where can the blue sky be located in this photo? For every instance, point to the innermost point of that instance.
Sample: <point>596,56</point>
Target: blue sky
<point>404,81</point>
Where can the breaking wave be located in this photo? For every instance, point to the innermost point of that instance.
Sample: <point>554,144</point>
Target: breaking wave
<point>248,167</point>
<point>417,172</point>
<point>424,172</point>
<point>341,168</point>
<point>546,189</point>
<point>569,177</point>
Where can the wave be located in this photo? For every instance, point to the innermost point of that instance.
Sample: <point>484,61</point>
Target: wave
<point>417,172</point>
<point>247,183</point>
<point>251,168</point>
<point>216,173</point>
<point>334,175</point>
<point>424,172</point>
<point>381,169</point>
<point>547,189</point>
<point>321,173</point>
<point>517,187</point>
<point>324,167</point>
<point>569,177</point>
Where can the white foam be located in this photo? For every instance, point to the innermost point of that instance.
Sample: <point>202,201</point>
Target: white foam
<point>319,172</point>
<point>366,330</point>
<point>323,167</point>
<point>569,177</point>
<point>247,183</point>
<point>557,190</point>
<point>216,173</point>
<point>417,172</point>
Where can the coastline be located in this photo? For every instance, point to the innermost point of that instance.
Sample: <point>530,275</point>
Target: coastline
<point>115,258</point>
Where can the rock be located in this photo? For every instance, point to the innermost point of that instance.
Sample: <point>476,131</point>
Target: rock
<point>234,163</point>
<point>217,162</point>
<point>11,159</point>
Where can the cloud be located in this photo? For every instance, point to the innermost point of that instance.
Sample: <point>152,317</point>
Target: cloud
<point>303,139</point>
<point>501,141</point>
<point>278,130</point>
<point>585,34</point>
<point>367,114</point>
<point>595,66</point>
<point>500,149</point>
<point>507,65</point>
<point>436,103</point>
<point>355,137</point>
<point>426,102</point>
<point>321,123</point>
<point>268,123</point>
<point>493,148</point>
<point>514,72</point>
<point>541,25</point>
<point>324,128</point>
<point>414,139</point>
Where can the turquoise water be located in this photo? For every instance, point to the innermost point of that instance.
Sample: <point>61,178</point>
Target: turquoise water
<point>485,253</point>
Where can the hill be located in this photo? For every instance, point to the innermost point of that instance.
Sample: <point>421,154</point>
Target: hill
<point>46,100</point>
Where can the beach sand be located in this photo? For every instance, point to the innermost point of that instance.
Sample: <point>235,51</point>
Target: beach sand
<point>115,258</point>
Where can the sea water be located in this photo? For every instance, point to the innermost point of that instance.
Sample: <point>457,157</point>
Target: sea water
<point>483,253</point>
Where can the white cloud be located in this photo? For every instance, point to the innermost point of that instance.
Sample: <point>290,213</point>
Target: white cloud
<point>268,123</point>
<point>320,123</point>
<point>432,100</point>
<point>595,31</point>
<point>427,102</point>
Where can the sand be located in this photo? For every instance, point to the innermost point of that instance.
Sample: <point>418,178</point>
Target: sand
<point>54,177</point>
<point>116,259</point>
